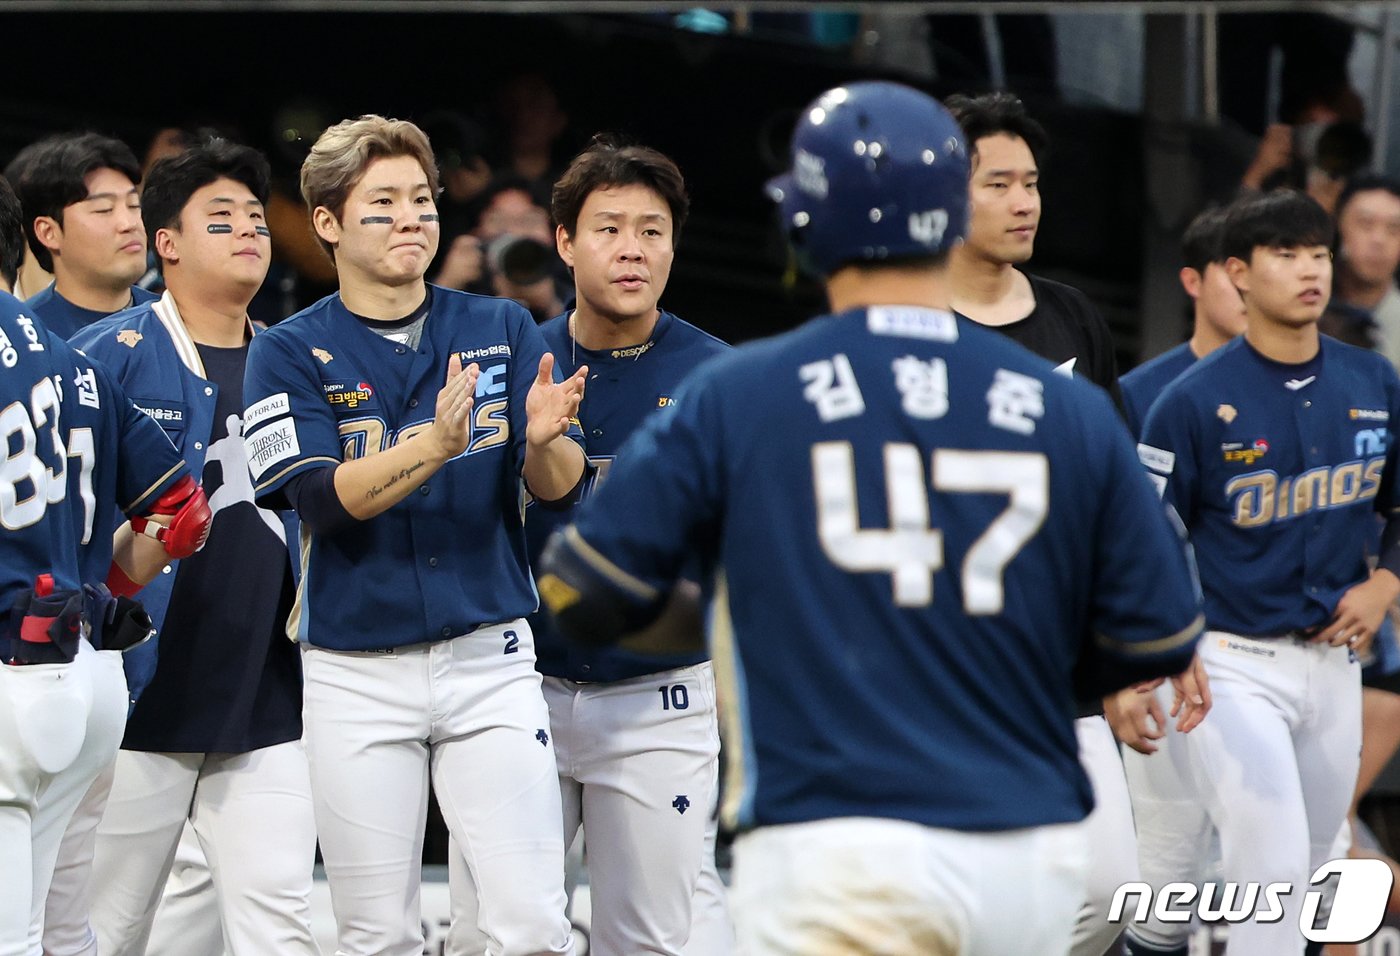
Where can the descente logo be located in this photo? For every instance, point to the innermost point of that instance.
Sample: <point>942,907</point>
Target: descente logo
<point>1357,910</point>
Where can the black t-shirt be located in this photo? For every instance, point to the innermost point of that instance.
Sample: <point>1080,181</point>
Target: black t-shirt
<point>1065,327</point>
<point>227,678</point>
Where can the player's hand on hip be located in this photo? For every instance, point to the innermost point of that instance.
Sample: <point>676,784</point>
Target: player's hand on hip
<point>452,419</point>
<point>1360,612</point>
<point>1193,700</point>
<point>550,406</point>
<point>1135,716</point>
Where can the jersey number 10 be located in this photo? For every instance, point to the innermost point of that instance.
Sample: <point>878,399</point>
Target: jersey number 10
<point>912,551</point>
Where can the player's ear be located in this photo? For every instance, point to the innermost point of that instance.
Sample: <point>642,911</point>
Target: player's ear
<point>48,232</point>
<point>1238,271</point>
<point>165,245</point>
<point>565,244</point>
<point>1190,281</point>
<point>326,225</point>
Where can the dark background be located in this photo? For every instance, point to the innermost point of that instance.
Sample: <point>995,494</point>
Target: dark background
<point>721,105</point>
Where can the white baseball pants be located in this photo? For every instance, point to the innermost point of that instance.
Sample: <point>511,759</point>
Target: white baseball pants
<point>865,885</point>
<point>252,814</point>
<point>60,725</point>
<point>469,711</point>
<point>1276,762</point>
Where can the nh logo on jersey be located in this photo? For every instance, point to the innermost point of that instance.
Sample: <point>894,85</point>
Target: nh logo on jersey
<point>1372,441</point>
<point>471,355</point>
<point>1238,452</point>
<point>928,227</point>
<point>681,803</point>
<point>129,337</point>
<point>1369,415</point>
<point>337,393</point>
<point>665,401</point>
<point>1226,413</point>
<point>323,355</point>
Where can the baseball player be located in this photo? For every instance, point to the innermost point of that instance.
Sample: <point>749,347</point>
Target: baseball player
<point>635,735</point>
<point>1275,452</point>
<point>1058,323</point>
<point>1173,829</point>
<point>411,608</point>
<point>229,757</point>
<point>82,218</point>
<point>890,503</point>
<point>78,447</point>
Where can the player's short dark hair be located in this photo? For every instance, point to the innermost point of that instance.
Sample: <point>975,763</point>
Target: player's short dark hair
<point>1283,219</point>
<point>1201,242</point>
<point>992,113</point>
<point>606,163</point>
<point>48,176</point>
<point>173,180</point>
<point>11,234</point>
<point>1365,183</point>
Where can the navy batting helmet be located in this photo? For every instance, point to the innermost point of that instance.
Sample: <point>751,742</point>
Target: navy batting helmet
<point>879,171</point>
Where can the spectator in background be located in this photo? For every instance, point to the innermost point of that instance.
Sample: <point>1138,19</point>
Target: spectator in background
<point>1316,150</point>
<point>301,270</point>
<point>1368,255</point>
<point>534,124</point>
<point>82,220</point>
<point>461,145</point>
<point>513,253</point>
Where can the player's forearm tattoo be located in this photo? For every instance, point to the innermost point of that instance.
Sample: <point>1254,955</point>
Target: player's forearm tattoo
<point>403,475</point>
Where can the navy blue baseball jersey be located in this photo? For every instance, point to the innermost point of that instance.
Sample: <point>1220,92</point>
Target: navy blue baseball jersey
<point>1275,470</point>
<point>909,522</point>
<point>77,450</point>
<point>322,388</point>
<point>64,319</point>
<point>625,387</point>
<point>1142,385</point>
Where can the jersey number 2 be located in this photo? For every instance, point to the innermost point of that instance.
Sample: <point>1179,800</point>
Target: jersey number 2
<point>910,550</point>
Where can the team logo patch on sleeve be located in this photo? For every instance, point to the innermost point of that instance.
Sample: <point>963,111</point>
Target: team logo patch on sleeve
<point>1158,459</point>
<point>129,337</point>
<point>274,406</point>
<point>274,443</point>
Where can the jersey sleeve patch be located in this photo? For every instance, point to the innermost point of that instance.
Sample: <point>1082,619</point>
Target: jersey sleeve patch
<point>1158,459</point>
<point>270,407</point>
<point>277,442</point>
